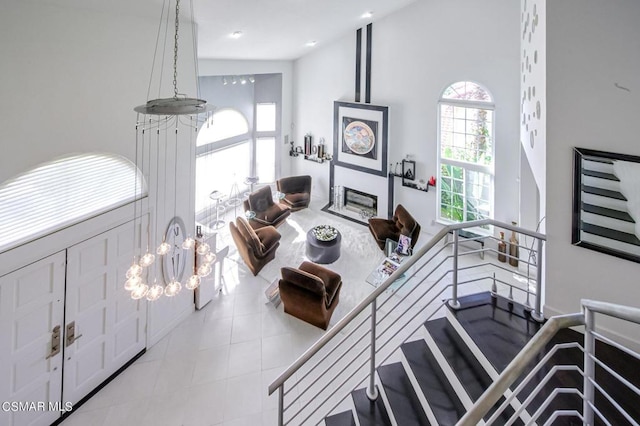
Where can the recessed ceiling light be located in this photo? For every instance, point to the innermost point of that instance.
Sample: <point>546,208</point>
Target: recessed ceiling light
<point>236,34</point>
<point>367,15</point>
<point>311,43</point>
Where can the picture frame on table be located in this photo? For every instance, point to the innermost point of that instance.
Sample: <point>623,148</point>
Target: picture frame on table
<point>360,137</point>
<point>606,203</point>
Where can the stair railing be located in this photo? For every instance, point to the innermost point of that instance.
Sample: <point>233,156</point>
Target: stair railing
<point>536,346</point>
<point>407,314</point>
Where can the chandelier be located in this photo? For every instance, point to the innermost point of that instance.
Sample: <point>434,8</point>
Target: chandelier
<point>162,126</point>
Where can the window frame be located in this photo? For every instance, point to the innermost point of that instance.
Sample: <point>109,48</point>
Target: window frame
<point>465,165</point>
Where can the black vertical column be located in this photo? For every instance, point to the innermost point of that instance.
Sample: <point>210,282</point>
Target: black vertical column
<point>358,62</point>
<point>367,95</point>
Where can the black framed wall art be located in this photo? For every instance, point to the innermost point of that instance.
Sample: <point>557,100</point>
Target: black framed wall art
<point>606,203</point>
<point>360,137</point>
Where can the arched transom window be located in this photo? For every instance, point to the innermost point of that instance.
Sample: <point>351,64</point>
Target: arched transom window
<point>63,192</point>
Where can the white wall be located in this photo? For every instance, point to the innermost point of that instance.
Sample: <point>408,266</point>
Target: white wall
<point>69,81</point>
<point>417,52</point>
<point>533,91</point>
<point>592,46</point>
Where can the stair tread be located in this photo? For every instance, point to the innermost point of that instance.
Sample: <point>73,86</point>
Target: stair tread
<point>499,327</point>
<point>341,419</point>
<point>603,192</point>
<point>612,213</point>
<point>463,362</point>
<point>443,401</point>
<point>613,234</point>
<point>600,175</point>
<point>370,413</point>
<point>403,401</point>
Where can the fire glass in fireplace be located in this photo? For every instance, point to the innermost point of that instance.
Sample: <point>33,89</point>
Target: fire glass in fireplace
<point>360,202</point>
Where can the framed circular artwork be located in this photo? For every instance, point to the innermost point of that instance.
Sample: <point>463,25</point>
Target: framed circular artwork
<point>359,137</point>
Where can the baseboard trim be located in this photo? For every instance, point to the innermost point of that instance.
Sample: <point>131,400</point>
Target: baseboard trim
<point>99,387</point>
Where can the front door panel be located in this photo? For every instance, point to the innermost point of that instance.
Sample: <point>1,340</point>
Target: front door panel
<point>109,327</point>
<point>31,307</point>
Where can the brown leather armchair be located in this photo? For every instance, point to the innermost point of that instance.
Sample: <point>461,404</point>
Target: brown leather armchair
<point>257,248</point>
<point>296,190</point>
<point>310,292</point>
<point>267,212</point>
<point>401,223</point>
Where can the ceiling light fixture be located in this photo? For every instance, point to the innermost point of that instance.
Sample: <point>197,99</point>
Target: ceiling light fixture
<point>367,15</point>
<point>236,34</point>
<point>163,124</point>
<point>311,43</point>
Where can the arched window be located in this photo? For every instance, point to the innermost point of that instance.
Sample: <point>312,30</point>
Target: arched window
<point>63,192</point>
<point>222,155</point>
<point>466,164</point>
<point>224,124</point>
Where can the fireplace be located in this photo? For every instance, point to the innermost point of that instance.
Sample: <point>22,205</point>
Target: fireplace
<point>360,202</point>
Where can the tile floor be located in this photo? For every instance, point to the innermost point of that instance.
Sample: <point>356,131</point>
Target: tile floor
<point>215,367</point>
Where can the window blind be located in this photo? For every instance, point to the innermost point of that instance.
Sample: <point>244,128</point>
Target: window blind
<point>63,192</point>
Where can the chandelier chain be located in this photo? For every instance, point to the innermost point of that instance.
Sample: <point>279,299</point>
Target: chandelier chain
<point>175,52</point>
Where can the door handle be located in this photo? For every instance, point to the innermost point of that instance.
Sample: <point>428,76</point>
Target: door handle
<point>55,342</point>
<point>71,334</point>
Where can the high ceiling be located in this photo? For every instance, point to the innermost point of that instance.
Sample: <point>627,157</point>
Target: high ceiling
<point>279,29</point>
<point>271,29</point>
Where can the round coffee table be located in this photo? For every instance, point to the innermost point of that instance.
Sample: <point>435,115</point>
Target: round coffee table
<point>323,252</point>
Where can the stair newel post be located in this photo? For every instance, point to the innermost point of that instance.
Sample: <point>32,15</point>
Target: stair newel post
<point>537,313</point>
<point>454,298</point>
<point>372,391</point>
<point>589,366</point>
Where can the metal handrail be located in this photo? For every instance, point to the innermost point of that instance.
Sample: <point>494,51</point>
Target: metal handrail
<point>627,313</point>
<point>536,345</point>
<point>346,320</point>
<point>515,368</point>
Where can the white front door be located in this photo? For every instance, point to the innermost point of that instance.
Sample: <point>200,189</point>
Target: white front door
<point>108,326</point>
<point>31,309</point>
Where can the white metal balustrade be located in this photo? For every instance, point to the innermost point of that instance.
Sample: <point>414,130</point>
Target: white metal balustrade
<point>348,354</point>
<point>590,386</point>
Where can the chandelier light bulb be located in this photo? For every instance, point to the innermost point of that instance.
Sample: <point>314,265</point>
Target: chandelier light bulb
<point>188,243</point>
<point>204,269</point>
<point>163,249</point>
<point>193,282</point>
<point>132,283</point>
<point>134,270</point>
<point>140,291</point>
<point>209,257</point>
<point>155,292</point>
<point>203,249</point>
<point>147,260</point>
<point>172,288</point>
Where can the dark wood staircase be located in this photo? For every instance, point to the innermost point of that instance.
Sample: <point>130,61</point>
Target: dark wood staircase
<point>441,375</point>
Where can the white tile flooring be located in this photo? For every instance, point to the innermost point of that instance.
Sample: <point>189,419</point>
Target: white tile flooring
<point>215,367</point>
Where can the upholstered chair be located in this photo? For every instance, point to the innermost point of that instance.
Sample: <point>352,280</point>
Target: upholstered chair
<point>267,212</point>
<point>401,223</point>
<point>296,190</point>
<point>310,292</point>
<point>256,247</point>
